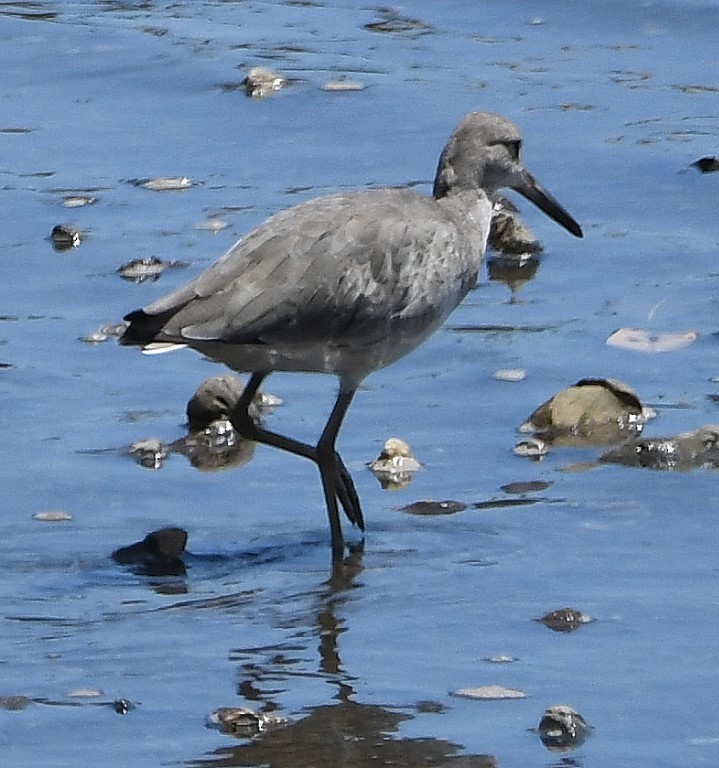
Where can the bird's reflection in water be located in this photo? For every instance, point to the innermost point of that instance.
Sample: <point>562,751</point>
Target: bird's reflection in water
<point>343,733</point>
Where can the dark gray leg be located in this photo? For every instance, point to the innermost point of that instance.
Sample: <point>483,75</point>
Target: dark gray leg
<point>337,482</point>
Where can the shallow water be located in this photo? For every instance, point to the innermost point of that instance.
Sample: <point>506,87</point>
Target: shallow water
<point>615,101</point>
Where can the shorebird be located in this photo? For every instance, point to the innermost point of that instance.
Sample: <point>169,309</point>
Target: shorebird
<point>346,284</point>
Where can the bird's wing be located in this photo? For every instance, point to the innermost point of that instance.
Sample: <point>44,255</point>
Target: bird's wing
<point>326,270</point>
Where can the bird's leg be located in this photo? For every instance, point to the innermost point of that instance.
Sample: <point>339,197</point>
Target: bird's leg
<point>334,473</point>
<point>344,488</point>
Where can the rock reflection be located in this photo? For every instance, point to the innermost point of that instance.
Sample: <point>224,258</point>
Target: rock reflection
<point>344,733</point>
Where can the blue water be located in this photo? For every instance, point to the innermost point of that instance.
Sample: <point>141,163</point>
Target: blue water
<point>615,101</point>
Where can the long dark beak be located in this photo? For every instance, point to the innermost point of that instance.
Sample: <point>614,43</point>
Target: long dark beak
<point>533,190</point>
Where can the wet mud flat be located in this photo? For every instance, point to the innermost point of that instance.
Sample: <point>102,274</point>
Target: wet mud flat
<point>507,609</point>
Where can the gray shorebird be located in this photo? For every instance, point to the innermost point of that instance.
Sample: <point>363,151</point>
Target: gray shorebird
<point>345,284</point>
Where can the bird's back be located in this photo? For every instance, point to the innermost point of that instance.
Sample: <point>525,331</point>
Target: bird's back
<point>331,277</point>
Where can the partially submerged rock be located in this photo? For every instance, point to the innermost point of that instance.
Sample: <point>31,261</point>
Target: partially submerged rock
<point>684,452</point>
<point>564,620</point>
<point>395,465</point>
<point>639,340</point>
<point>562,728</point>
<point>105,332</point>
<point>342,86</point>
<point>158,554</point>
<point>590,412</point>
<point>490,693</point>
<point>150,268</point>
<point>532,448</point>
<point>434,507</point>
<point>392,22</point>
<point>149,453</point>
<point>165,183</point>
<point>213,399</point>
<point>217,396</point>
<point>244,722</point>
<point>261,82</point>
<point>65,237</point>
<point>508,235</point>
<point>707,164</point>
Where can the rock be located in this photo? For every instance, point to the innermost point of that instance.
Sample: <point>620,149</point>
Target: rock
<point>508,235</point>
<point>217,396</point>
<point>52,516</point>
<point>684,452</point>
<point>147,269</point>
<point>590,412</point>
<point>78,201</point>
<point>562,728</point>
<point>510,374</point>
<point>532,448</point>
<point>261,82</point>
<point>65,237</point>
<point>564,620</point>
<point>244,722</point>
<point>158,554</point>
<point>639,340</point>
<point>392,22</point>
<point>433,508</point>
<point>706,164</point>
<point>149,453</point>
<point>342,86</point>
<point>165,184</point>
<point>395,465</point>
<point>490,692</point>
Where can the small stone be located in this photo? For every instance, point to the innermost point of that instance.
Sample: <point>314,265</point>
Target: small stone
<point>84,693</point>
<point>150,453</point>
<point>122,706</point>
<point>510,374</point>
<point>78,201</point>
<point>166,184</point>
<point>261,82</point>
<point>103,333</point>
<point>158,554</point>
<point>592,411</point>
<point>508,235</point>
<point>95,337</point>
<point>687,451</point>
<point>707,164</point>
<point>639,340</point>
<point>490,693</point>
<point>562,728</point>
<point>395,456</point>
<point>14,703</point>
<point>65,237</point>
<point>565,620</point>
<point>147,269</point>
<point>212,225</point>
<point>52,516</point>
<point>342,86</point>
<point>395,465</point>
<point>433,508</point>
<point>533,448</point>
<point>522,488</point>
<point>244,722</point>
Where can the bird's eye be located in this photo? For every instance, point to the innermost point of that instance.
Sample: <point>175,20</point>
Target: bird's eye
<point>513,148</point>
